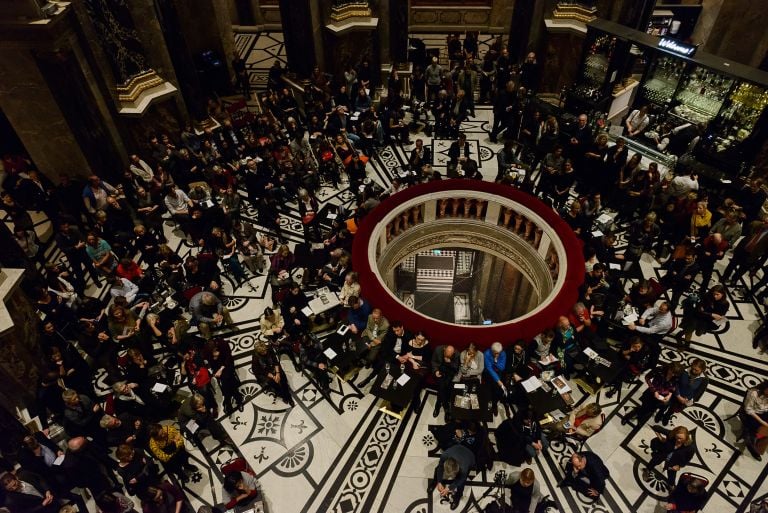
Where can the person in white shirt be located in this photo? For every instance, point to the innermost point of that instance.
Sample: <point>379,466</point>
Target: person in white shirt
<point>637,121</point>
<point>654,320</point>
<point>683,184</point>
<point>141,170</point>
<point>124,288</point>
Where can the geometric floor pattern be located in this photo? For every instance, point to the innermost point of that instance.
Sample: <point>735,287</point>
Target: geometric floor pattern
<point>340,454</point>
<point>337,453</point>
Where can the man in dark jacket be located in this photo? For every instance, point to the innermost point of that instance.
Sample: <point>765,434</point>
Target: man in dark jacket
<point>445,365</point>
<point>38,455</point>
<point>451,473</point>
<point>586,473</point>
<point>28,493</point>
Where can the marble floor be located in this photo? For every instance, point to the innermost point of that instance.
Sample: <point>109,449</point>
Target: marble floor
<point>338,453</point>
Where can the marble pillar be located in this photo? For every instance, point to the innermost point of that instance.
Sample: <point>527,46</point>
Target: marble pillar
<point>739,32</point>
<point>561,57</point>
<point>205,26</point>
<point>31,108</point>
<point>521,25</point>
<point>710,10</point>
<point>21,356</point>
<point>145,15</point>
<point>398,31</point>
<point>299,29</point>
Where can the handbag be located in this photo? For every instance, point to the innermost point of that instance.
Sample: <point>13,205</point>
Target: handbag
<point>308,218</point>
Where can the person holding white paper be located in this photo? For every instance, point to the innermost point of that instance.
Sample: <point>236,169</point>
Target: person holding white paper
<point>655,320</point>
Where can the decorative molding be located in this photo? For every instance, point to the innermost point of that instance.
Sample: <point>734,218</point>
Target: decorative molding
<point>578,12</point>
<point>473,234</point>
<point>350,10</point>
<point>132,89</point>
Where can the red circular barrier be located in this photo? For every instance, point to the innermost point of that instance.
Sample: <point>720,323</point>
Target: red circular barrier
<point>439,332</point>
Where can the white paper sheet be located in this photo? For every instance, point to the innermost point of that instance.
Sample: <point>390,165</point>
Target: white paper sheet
<point>159,388</point>
<point>58,461</point>
<point>307,311</point>
<point>192,426</point>
<point>403,379</point>
<point>531,384</point>
<point>591,353</point>
<point>330,353</point>
<point>629,319</point>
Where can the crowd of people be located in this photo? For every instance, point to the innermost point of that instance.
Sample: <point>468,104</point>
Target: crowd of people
<point>165,315</point>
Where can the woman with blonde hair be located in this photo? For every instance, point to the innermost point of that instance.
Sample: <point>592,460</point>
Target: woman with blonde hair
<point>673,448</point>
<point>583,422</point>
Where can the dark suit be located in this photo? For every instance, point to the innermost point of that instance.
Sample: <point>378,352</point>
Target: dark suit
<point>455,151</point>
<point>19,502</point>
<point>595,472</point>
<point>387,351</point>
<point>447,371</point>
<point>35,464</point>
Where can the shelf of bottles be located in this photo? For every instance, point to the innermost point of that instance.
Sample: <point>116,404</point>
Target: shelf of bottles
<point>662,81</point>
<point>737,120</point>
<point>701,94</point>
<point>591,83</point>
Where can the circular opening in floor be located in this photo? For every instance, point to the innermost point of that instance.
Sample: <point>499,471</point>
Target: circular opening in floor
<point>463,286</point>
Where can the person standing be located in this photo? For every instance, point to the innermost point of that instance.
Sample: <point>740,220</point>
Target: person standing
<point>674,448</point>
<point>749,253</point>
<point>445,366</point>
<point>503,108</point>
<point>434,76</point>
<point>662,383</point>
<point>692,385</point>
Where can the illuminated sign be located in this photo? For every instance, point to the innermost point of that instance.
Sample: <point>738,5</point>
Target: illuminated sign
<point>677,47</point>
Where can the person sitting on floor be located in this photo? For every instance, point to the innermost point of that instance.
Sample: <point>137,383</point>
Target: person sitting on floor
<point>451,474</point>
<point>240,489</point>
<point>755,419</point>
<point>586,473</point>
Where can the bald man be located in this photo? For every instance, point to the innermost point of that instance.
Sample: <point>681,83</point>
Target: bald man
<point>445,365</point>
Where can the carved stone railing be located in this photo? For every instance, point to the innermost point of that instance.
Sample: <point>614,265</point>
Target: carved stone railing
<point>496,219</point>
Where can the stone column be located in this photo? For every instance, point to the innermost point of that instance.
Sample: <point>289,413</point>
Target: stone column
<point>32,110</point>
<point>299,29</point>
<point>710,10</point>
<point>21,357</point>
<point>159,58</point>
<point>392,31</point>
<point>739,32</point>
<point>520,29</point>
<point>205,27</point>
